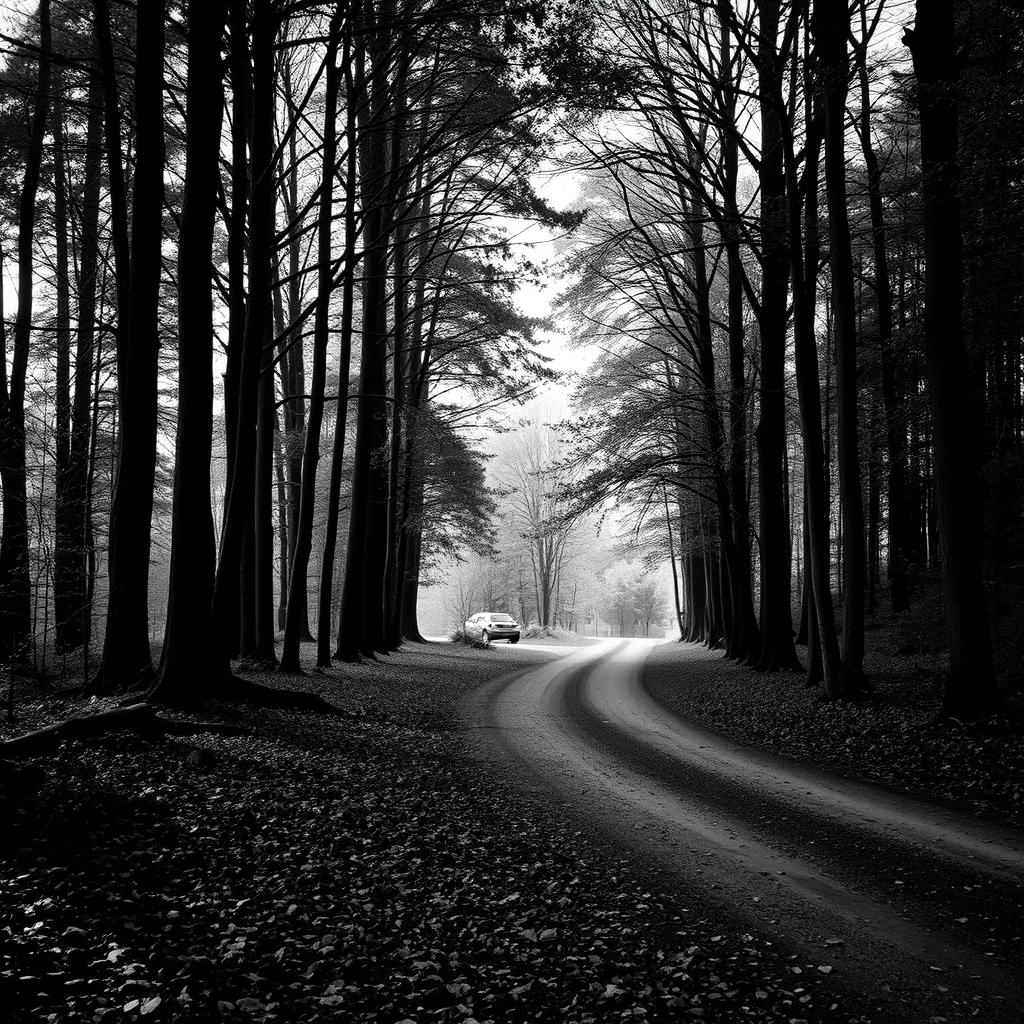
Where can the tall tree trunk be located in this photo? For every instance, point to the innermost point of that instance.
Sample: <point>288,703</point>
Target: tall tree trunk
<point>120,241</point>
<point>294,363</point>
<point>398,190</point>
<point>803,270</point>
<point>677,603</point>
<point>15,587</point>
<point>247,643</point>
<point>354,95</point>
<point>190,650</point>
<point>64,597</point>
<point>74,555</point>
<point>414,541</point>
<point>362,612</point>
<point>394,576</point>
<point>955,386</point>
<point>895,429</point>
<point>326,598</point>
<point>126,655</point>
<point>777,649</point>
<point>241,494</point>
<point>241,127</point>
<point>263,505</point>
<point>831,28</point>
<point>297,586</point>
<point>411,519</point>
<point>742,634</point>
<point>282,523</point>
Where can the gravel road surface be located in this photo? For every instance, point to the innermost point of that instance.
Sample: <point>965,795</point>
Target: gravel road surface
<point>916,907</point>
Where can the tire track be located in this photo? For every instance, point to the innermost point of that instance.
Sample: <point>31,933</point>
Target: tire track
<point>809,856</point>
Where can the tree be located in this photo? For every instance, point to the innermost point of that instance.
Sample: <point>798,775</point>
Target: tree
<point>15,589</point>
<point>533,476</point>
<point>954,378</point>
<point>126,655</point>
<point>777,650</point>
<point>831,27</point>
<point>297,600</point>
<point>189,644</point>
<point>241,505</point>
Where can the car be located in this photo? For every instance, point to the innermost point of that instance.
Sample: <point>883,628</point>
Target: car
<point>490,626</point>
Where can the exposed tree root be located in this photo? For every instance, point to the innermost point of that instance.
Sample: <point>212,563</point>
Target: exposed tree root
<point>141,719</point>
<point>101,685</point>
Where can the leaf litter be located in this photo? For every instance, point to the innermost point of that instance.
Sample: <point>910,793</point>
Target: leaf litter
<point>362,870</point>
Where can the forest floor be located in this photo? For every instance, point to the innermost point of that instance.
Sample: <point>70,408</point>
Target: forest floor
<point>368,867</point>
<point>358,868</point>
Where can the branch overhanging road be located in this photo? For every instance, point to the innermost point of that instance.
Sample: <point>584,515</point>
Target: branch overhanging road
<point>917,905</point>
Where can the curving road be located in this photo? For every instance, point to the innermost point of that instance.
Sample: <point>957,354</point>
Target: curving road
<point>919,907</point>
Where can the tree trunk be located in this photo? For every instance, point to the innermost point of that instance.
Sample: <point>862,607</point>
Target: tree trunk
<point>71,557</point>
<point>15,588</point>
<point>739,619</point>
<point>895,430</point>
<point>241,127</point>
<point>263,505</point>
<point>241,494</point>
<point>353,96</point>
<point>64,597</point>
<point>398,189</point>
<point>777,650</point>
<point>294,362</point>
<point>282,523</point>
<point>362,611</point>
<point>803,268</point>
<point>956,390</point>
<point>831,28</point>
<point>297,614</point>
<point>189,656</point>
<point>126,655</point>
<point>677,604</point>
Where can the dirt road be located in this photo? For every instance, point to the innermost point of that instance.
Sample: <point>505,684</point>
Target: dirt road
<point>914,906</point>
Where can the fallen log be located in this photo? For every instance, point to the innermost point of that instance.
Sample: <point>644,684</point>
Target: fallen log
<point>141,719</point>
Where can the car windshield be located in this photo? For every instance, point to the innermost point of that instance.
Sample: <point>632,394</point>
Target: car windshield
<point>501,617</point>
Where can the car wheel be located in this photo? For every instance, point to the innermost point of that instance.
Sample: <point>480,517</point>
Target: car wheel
<point>513,639</point>
<point>485,636</point>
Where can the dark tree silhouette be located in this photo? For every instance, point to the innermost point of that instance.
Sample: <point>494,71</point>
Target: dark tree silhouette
<point>955,379</point>
<point>15,586</point>
<point>190,651</point>
<point>126,656</point>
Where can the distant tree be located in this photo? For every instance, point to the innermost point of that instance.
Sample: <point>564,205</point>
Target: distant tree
<point>648,601</point>
<point>534,475</point>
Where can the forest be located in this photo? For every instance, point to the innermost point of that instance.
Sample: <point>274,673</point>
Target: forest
<point>253,336</point>
<point>699,319</point>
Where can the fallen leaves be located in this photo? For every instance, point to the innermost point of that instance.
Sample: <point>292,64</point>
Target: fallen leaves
<point>364,872</point>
